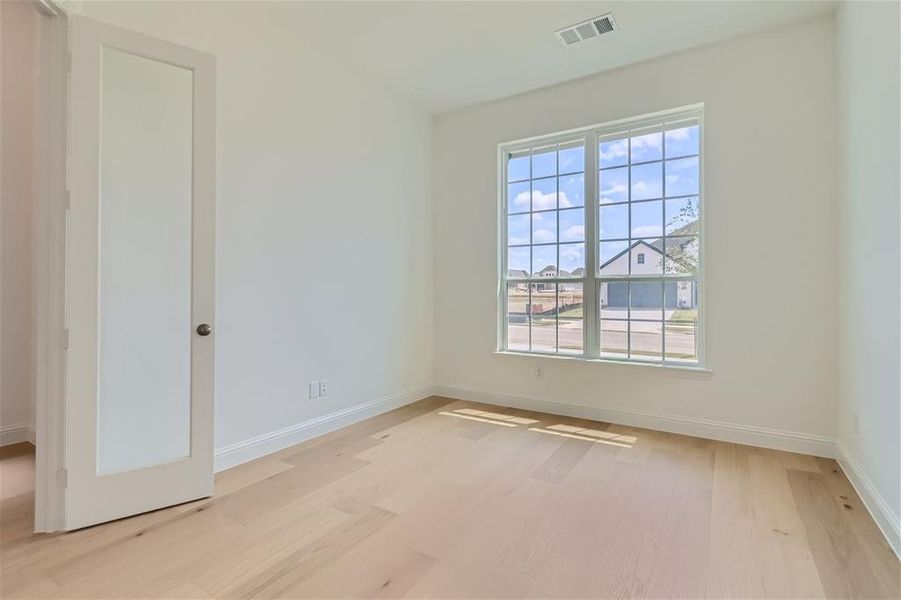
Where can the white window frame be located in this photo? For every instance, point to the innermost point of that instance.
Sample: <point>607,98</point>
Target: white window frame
<point>591,278</point>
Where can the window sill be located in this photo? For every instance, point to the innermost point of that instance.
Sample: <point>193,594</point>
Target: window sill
<point>669,368</point>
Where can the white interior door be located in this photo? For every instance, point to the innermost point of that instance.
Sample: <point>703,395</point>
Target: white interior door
<point>140,274</point>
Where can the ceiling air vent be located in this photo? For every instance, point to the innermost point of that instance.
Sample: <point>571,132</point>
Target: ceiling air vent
<point>587,29</point>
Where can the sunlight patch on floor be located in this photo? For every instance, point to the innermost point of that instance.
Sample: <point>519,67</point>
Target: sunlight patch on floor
<point>574,436</point>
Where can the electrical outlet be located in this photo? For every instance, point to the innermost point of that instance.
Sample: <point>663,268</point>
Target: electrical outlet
<point>323,387</point>
<point>539,373</point>
<point>314,389</point>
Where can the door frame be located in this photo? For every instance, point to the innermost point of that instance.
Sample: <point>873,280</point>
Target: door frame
<point>50,270</point>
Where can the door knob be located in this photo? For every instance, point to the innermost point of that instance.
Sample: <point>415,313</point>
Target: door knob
<point>204,330</point>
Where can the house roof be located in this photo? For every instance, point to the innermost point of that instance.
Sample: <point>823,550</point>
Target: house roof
<point>655,246</point>
<point>552,268</point>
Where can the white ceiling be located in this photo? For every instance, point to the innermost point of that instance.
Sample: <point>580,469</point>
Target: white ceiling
<point>446,55</point>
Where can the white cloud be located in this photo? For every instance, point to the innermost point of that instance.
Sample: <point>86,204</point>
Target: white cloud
<point>642,188</point>
<point>576,232</point>
<point>677,135</point>
<point>646,231</point>
<point>608,194</point>
<point>541,236</point>
<point>521,201</point>
<point>571,252</point>
<point>613,150</point>
<point>647,141</point>
<point>541,200</point>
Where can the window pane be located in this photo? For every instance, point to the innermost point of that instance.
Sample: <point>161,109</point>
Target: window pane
<point>682,216</point>
<point>613,153</point>
<point>647,219</point>
<point>646,340</point>
<point>544,194</point>
<point>681,341</point>
<point>572,260</point>
<point>682,300</point>
<point>647,181</point>
<point>518,166</point>
<point>646,257</point>
<point>647,147</point>
<point>544,161</point>
<point>570,318</point>
<point>614,222</point>
<point>614,337</point>
<point>518,197</point>
<point>614,300</point>
<point>517,316</point>
<point>681,327</point>
<point>544,261</point>
<point>518,230</point>
<point>544,317</point>
<point>682,255</point>
<point>572,157</point>
<point>646,300</point>
<point>682,176</point>
<point>682,141</point>
<point>544,227</point>
<point>572,225</point>
<point>614,258</point>
<point>518,262</point>
<point>572,191</point>
<point>613,185</point>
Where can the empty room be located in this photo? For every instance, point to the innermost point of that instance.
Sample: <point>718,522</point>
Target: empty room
<point>450,299</point>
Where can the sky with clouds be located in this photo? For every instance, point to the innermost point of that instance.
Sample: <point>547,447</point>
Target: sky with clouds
<point>554,204</point>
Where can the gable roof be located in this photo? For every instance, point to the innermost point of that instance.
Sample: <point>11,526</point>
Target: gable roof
<point>656,246</point>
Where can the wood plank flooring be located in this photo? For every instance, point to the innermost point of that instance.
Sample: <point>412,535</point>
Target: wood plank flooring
<point>447,499</point>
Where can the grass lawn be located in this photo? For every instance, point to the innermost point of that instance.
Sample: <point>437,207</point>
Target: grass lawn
<point>684,314</point>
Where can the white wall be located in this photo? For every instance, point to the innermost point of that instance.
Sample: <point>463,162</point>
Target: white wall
<point>770,218</point>
<point>868,70</point>
<point>323,220</point>
<point>19,70</point>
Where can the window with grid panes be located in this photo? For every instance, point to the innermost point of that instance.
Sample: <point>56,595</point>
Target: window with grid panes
<point>606,266</point>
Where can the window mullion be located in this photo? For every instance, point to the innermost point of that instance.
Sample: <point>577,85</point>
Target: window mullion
<point>590,316</point>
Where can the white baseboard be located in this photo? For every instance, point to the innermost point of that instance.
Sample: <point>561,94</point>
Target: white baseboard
<point>241,452</point>
<point>14,434</point>
<point>777,439</point>
<point>887,519</point>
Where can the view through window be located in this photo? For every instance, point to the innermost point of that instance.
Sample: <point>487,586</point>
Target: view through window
<point>606,265</point>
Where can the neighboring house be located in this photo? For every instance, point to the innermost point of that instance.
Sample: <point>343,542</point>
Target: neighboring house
<point>519,274</point>
<point>549,271</point>
<point>646,258</point>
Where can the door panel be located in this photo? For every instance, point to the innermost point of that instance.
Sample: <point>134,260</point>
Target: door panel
<point>144,409</point>
<point>140,247</point>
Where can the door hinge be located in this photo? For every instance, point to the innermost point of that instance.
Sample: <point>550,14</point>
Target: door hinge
<point>68,199</point>
<point>62,477</point>
<point>65,338</point>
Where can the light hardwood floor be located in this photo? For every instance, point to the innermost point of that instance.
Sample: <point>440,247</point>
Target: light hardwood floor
<point>457,500</point>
